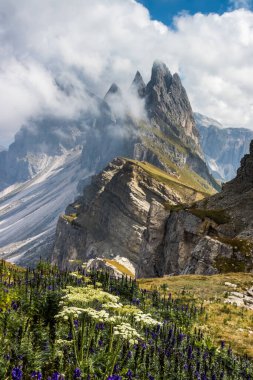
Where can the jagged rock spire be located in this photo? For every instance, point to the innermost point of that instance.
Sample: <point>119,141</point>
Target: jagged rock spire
<point>160,75</point>
<point>139,85</point>
<point>113,90</point>
<point>167,104</point>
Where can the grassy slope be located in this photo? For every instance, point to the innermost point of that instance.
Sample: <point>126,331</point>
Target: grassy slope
<point>186,175</point>
<point>221,321</point>
<point>187,183</point>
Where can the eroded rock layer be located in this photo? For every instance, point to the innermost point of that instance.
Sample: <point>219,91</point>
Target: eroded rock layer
<point>122,212</point>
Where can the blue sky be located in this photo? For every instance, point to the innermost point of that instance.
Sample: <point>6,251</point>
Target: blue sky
<point>165,10</point>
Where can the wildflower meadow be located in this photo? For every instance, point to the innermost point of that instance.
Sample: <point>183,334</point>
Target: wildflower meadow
<point>57,325</point>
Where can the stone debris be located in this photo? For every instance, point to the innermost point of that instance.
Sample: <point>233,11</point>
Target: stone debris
<point>241,299</point>
<point>250,292</point>
<point>230,285</point>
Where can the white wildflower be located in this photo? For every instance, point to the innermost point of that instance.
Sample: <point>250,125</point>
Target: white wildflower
<point>112,305</point>
<point>126,332</point>
<point>85,296</point>
<point>146,320</point>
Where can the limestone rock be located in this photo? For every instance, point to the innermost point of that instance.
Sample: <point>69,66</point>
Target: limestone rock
<point>204,255</point>
<point>216,234</point>
<point>122,212</point>
<point>166,99</point>
<point>101,265</point>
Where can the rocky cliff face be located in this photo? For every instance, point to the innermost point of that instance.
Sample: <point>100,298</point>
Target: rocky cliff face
<point>41,140</point>
<point>223,147</point>
<point>134,210</point>
<point>168,105</point>
<point>121,213</point>
<point>215,234</point>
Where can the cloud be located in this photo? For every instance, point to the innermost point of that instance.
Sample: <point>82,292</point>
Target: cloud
<point>237,4</point>
<point>90,44</point>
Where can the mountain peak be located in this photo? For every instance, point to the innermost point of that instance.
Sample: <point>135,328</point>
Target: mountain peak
<point>113,90</point>
<point>139,85</point>
<point>167,104</point>
<point>160,73</point>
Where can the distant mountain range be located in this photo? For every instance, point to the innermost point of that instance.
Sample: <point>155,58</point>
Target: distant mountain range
<point>223,147</point>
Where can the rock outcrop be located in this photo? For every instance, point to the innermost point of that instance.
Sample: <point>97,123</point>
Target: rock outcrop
<point>122,212</point>
<point>135,210</point>
<point>138,85</point>
<point>167,103</point>
<point>216,234</point>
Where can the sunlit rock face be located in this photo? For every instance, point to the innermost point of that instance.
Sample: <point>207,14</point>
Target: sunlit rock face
<point>122,212</point>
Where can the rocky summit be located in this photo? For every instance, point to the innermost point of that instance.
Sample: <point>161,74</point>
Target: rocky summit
<point>159,128</point>
<point>162,225</point>
<point>167,102</point>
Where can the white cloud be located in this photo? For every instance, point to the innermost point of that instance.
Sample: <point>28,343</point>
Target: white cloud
<point>105,41</point>
<point>237,4</point>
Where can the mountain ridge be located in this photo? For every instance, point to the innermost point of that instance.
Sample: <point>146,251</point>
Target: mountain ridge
<point>122,212</point>
<point>118,125</point>
<point>131,210</point>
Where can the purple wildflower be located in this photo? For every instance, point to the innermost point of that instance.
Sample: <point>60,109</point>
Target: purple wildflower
<point>17,373</point>
<point>77,373</point>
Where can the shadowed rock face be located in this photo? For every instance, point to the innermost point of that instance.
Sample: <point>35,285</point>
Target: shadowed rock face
<point>166,134</point>
<point>167,102</point>
<point>217,234</point>
<point>138,85</point>
<point>244,179</point>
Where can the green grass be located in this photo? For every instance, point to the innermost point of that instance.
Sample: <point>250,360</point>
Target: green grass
<point>221,321</point>
<point>70,218</point>
<point>230,264</point>
<point>184,174</point>
<point>180,207</point>
<point>187,192</point>
<point>239,245</point>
